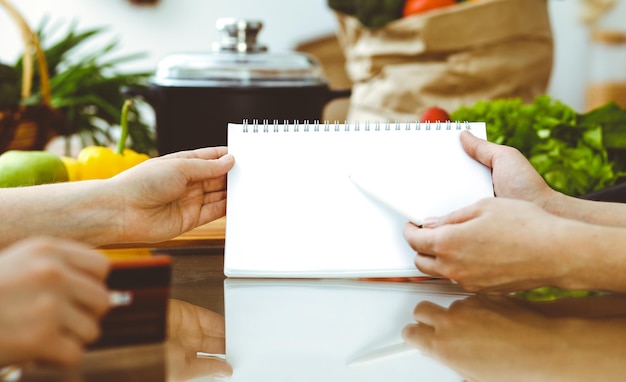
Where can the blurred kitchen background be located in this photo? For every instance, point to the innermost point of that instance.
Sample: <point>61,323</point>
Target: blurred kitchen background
<point>169,26</point>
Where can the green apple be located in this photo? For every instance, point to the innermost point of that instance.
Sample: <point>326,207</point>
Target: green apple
<point>31,167</point>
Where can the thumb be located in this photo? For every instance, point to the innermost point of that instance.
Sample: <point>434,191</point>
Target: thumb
<point>203,169</point>
<point>455,217</point>
<point>481,150</point>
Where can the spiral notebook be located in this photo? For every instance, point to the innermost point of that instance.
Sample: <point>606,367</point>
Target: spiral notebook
<point>293,209</point>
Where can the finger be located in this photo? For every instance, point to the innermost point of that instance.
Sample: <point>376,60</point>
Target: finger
<point>215,184</point>
<point>479,149</point>
<point>210,212</point>
<point>87,293</point>
<point>213,344</point>
<point>428,313</point>
<point>431,222</point>
<point>206,367</point>
<point>203,153</point>
<point>213,332</point>
<point>213,324</point>
<point>461,215</point>
<point>420,239</point>
<point>64,350</point>
<point>201,170</point>
<point>427,264</point>
<point>82,325</point>
<point>213,197</point>
<point>420,336</point>
<point>76,256</point>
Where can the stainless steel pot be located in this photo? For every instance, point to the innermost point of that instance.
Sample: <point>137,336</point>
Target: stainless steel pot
<point>196,95</point>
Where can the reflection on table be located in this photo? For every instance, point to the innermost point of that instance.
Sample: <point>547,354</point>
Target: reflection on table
<point>318,330</point>
<point>191,330</point>
<point>496,338</point>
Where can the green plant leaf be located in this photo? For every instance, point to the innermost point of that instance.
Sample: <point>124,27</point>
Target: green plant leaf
<point>575,153</point>
<point>86,84</point>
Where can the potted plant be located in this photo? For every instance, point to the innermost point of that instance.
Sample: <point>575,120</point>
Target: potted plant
<point>85,86</point>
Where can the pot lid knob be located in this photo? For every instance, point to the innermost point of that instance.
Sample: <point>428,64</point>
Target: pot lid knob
<point>239,35</point>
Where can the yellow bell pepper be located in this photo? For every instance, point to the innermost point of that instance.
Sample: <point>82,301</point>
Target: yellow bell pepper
<point>99,162</point>
<point>71,165</point>
<point>125,253</point>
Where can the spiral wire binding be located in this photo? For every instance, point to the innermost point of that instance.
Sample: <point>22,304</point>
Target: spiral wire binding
<point>305,126</point>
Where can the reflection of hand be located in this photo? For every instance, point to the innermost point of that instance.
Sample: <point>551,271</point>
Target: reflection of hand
<point>496,338</point>
<point>52,295</point>
<point>192,329</point>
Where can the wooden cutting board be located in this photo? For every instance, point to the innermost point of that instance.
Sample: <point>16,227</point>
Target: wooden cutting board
<point>208,235</point>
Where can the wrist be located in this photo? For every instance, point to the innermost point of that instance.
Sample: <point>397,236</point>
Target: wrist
<point>88,213</point>
<point>101,209</point>
<point>591,256</point>
<point>570,253</point>
<point>558,203</point>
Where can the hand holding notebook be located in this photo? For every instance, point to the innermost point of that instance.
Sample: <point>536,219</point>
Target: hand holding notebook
<point>293,209</point>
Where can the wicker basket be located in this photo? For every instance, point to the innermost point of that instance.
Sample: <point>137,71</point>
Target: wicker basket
<point>29,127</point>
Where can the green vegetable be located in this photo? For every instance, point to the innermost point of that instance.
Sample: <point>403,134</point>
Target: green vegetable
<point>28,168</point>
<point>612,118</point>
<point>551,293</point>
<point>575,153</point>
<point>343,6</point>
<point>371,13</point>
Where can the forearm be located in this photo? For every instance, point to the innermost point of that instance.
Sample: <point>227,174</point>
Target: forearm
<point>590,256</point>
<point>82,211</point>
<point>602,213</point>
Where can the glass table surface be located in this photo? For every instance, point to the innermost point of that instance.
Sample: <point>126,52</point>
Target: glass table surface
<point>359,330</point>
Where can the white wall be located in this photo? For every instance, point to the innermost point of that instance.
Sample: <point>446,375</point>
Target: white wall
<point>175,25</point>
<point>570,53</point>
<point>189,25</point>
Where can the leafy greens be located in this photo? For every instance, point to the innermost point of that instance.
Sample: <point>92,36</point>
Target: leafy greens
<point>575,153</point>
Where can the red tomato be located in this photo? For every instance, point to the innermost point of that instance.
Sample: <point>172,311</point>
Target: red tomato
<point>435,113</point>
<point>412,7</point>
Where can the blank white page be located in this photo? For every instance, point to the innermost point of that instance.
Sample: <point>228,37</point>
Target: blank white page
<point>293,211</point>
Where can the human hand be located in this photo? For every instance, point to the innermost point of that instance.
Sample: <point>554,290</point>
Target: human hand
<point>513,176</point>
<point>52,295</point>
<point>193,329</point>
<point>495,245</point>
<point>492,338</point>
<point>166,196</point>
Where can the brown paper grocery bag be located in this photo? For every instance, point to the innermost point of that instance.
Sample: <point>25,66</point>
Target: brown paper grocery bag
<point>449,57</point>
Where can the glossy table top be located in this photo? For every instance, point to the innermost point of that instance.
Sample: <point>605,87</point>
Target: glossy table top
<point>325,330</point>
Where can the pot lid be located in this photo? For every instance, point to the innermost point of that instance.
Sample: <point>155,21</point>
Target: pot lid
<point>238,60</point>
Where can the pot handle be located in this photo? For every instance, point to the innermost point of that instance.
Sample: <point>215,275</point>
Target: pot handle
<point>338,93</point>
